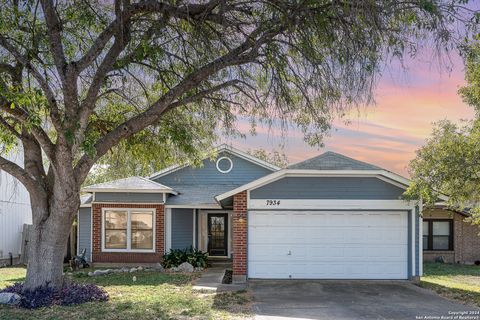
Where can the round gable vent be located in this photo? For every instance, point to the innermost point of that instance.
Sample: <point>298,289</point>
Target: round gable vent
<point>224,164</point>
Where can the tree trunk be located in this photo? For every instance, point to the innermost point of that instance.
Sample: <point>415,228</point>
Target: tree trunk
<point>52,221</point>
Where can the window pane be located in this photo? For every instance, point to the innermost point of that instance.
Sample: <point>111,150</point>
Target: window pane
<point>115,239</point>
<point>142,239</point>
<point>115,219</point>
<point>440,242</point>
<point>425,228</point>
<point>441,228</point>
<point>425,242</point>
<point>142,220</point>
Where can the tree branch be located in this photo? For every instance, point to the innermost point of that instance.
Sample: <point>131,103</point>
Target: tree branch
<point>114,29</point>
<point>54,110</point>
<point>18,172</point>
<point>4,123</point>
<point>235,56</point>
<point>54,31</point>
<point>203,93</point>
<point>37,132</point>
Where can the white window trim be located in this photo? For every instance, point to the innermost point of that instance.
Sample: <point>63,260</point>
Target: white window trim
<point>129,230</point>
<point>168,229</point>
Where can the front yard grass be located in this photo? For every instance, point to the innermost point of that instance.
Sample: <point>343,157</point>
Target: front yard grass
<point>454,281</point>
<point>152,296</point>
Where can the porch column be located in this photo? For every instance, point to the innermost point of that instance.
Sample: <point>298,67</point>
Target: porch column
<point>239,221</point>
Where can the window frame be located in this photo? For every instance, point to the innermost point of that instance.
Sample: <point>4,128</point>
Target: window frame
<point>430,234</point>
<point>129,229</point>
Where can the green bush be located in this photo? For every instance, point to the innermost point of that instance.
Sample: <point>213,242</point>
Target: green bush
<point>176,257</point>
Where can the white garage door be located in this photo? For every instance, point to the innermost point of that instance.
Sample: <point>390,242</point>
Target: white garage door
<point>327,245</point>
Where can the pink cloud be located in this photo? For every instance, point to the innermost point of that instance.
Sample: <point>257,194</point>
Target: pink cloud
<point>408,102</point>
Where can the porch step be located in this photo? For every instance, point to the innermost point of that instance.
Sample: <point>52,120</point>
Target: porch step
<point>219,262</point>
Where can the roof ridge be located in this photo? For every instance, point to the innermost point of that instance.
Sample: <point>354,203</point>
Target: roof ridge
<point>154,182</point>
<point>325,156</point>
<point>356,160</point>
<point>113,184</point>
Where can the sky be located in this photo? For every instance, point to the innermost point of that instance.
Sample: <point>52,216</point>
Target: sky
<point>408,100</point>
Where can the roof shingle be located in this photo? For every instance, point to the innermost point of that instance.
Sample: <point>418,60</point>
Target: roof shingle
<point>333,161</point>
<point>130,183</point>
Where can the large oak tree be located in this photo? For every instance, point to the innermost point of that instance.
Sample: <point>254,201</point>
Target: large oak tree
<point>78,77</point>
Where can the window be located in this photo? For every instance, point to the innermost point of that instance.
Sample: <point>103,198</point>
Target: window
<point>128,230</point>
<point>116,229</point>
<point>437,234</point>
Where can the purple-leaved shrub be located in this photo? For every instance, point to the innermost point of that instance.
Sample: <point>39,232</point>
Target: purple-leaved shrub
<point>71,293</point>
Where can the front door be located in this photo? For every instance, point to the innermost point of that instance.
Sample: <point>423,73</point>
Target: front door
<point>217,234</point>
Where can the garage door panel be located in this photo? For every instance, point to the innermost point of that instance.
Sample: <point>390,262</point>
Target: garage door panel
<point>328,245</point>
<point>266,270</point>
<point>336,219</point>
<point>270,252</point>
<point>355,235</point>
<point>325,253</point>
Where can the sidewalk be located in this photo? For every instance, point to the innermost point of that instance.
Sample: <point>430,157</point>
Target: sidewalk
<point>211,280</point>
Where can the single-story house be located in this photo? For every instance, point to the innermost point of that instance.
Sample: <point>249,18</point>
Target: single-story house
<point>328,217</point>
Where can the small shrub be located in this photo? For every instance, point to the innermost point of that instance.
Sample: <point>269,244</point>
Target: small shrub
<point>176,257</point>
<point>71,293</point>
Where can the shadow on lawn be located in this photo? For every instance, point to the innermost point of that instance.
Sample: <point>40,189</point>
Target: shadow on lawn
<point>446,269</point>
<point>14,280</point>
<point>141,279</point>
<point>462,295</point>
<point>233,302</point>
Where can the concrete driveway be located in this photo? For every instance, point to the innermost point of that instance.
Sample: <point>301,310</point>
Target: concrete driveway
<point>352,300</point>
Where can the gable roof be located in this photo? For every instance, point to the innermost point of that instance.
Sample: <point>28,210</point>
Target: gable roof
<point>333,161</point>
<point>219,149</point>
<point>328,164</point>
<point>198,195</point>
<point>385,175</point>
<point>130,184</point>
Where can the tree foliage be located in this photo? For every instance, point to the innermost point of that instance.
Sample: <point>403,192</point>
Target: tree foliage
<point>275,157</point>
<point>449,163</point>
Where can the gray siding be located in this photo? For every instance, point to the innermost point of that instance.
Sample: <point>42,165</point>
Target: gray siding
<point>129,197</point>
<point>243,172</point>
<point>85,231</point>
<point>182,228</point>
<point>328,188</point>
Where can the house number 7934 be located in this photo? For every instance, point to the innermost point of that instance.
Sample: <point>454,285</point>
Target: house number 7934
<point>273,202</point>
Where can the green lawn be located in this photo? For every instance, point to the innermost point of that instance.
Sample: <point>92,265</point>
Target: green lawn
<point>454,281</point>
<point>152,296</point>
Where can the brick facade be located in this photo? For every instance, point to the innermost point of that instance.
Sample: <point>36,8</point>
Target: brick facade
<point>466,239</point>
<point>127,257</point>
<point>239,221</point>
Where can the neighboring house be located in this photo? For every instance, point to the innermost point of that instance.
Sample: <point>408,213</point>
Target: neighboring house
<point>329,217</point>
<point>14,212</point>
<point>446,234</point>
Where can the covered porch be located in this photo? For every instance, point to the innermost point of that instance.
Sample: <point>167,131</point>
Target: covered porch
<point>208,229</point>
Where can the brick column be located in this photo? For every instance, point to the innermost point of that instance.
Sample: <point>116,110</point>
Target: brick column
<point>239,220</point>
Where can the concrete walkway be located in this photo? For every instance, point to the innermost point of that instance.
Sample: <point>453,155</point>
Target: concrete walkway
<point>211,280</point>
